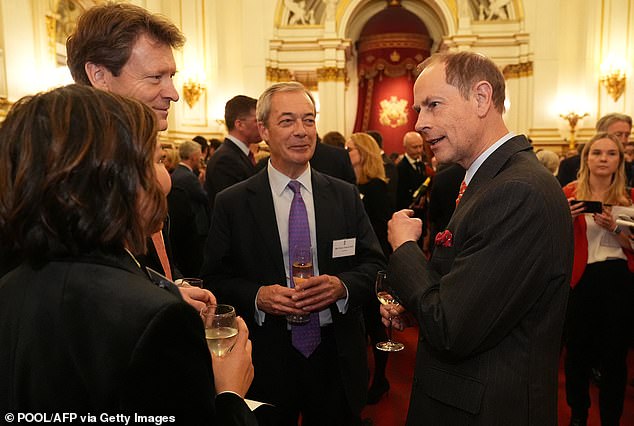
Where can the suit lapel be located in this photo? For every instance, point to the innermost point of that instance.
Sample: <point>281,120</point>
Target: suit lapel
<point>243,158</point>
<point>261,208</point>
<point>324,219</point>
<point>494,163</point>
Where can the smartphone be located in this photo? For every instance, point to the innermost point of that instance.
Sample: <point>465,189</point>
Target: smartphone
<point>590,206</point>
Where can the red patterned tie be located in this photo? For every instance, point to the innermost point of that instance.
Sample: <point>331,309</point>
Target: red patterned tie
<point>305,337</point>
<point>463,188</point>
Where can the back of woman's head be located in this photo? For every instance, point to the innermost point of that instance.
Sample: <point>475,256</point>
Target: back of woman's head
<point>371,159</point>
<point>77,175</point>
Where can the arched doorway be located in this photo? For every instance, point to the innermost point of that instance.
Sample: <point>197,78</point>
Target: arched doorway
<point>390,46</point>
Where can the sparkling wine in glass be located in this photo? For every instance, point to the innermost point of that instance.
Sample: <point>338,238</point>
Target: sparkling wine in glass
<point>221,329</point>
<point>302,269</point>
<point>383,294</point>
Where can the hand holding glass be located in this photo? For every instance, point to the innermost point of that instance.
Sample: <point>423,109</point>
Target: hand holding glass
<point>382,289</point>
<point>221,329</point>
<point>302,269</point>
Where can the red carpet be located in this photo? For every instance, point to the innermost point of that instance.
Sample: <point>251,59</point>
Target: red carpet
<point>392,409</point>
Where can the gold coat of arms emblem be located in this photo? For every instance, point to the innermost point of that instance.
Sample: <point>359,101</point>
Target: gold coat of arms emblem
<point>393,112</point>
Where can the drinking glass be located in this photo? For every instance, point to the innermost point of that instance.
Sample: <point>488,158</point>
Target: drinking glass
<point>382,288</point>
<point>302,269</point>
<point>221,329</point>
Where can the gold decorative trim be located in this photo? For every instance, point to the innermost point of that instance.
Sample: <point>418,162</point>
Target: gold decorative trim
<point>278,74</point>
<point>394,41</point>
<point>331,74</point>
<point>5,106</point>
<point>523,69</point>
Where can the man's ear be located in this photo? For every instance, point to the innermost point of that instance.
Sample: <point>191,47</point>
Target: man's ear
<point>98,75</point>
<point>483,93</point>
<point>264,132</point>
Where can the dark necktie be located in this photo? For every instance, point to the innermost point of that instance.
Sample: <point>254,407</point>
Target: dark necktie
<point>463,188</point>
<point>305,337</point>
<point>251,158</point>
<point>419,167</point>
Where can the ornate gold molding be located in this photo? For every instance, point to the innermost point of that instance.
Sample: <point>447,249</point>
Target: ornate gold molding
<point>331,74</point>
<point>523,69</point>
<point>278,74</point>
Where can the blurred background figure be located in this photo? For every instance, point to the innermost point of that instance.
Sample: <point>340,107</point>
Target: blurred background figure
<point>390,168</point>
<point>234,161</point>
<point>614,124</point>
<point>170,158</point>
<point>549,159</point>
<point>332,161</point>
<point>188,236</point>
<point>88,329</point>
<point>599,313</point>
<point>335,139</point>
<point>365,156</point>
<point>214,144</point>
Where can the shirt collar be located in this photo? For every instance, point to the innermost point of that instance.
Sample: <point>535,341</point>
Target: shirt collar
<point>471,171</point>
<point>279,181</point>
<point>411,160</point>
<point>243,146</point>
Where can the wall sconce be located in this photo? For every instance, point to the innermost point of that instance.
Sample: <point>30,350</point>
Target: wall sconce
<point>573,119</point>
<point>613,79</point>
<point>192,90</point>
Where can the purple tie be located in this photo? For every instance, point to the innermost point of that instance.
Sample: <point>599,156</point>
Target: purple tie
<point>305,337</point>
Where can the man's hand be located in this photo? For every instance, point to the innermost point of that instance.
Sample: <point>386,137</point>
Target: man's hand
<point>277,300</point>
<point>197,297</point>
<point>317,293</point>
<point>234,370</point>
<point>398,316</point>
<point>403,227</point>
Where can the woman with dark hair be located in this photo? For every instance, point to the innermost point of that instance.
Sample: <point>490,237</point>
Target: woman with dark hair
<point>83,327</point>
<point>599,309</point>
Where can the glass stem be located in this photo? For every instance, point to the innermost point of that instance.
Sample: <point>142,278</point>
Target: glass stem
<point>389,331</point>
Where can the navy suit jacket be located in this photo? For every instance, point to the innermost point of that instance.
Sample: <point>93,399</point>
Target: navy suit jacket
<point>491,303</point>
<point>244,253</point>
<point>226,167</point>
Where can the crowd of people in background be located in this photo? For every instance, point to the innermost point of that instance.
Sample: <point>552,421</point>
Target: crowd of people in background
<point>222,214</point>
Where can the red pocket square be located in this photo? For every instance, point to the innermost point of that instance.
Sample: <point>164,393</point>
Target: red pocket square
<point>444,239</point>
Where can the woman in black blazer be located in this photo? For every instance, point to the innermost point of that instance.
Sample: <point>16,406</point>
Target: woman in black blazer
<point>82,327</point>
<point>367,163</point>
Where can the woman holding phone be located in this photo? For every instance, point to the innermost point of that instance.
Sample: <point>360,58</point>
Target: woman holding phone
<point>599,308</point>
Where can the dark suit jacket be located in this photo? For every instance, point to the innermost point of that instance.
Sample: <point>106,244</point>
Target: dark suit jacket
<point>391,172</point>
<point>94,334</point>
<point>333,161</point>
<point>445,186</point>
<point>188,238</point>
<point>226,167</point>
<point>568,170</point>
<point>244,253</point>
<point>491,303</point>
<point>408,181</point>
<point>376,202</point>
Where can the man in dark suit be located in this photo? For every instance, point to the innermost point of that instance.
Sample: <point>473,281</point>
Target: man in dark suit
<point>247,265</point>
<point>411,170</point>
<point>233,162</point>
<point>333,161</point>
<point>491,303</point>
<point>188,241</point>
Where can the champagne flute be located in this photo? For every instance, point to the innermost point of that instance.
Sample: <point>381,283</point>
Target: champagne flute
<point>383,294</point>
<point>221,329</point>
<point>302,269</point>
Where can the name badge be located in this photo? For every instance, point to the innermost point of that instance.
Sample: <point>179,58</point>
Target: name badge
<point>343,248</point>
